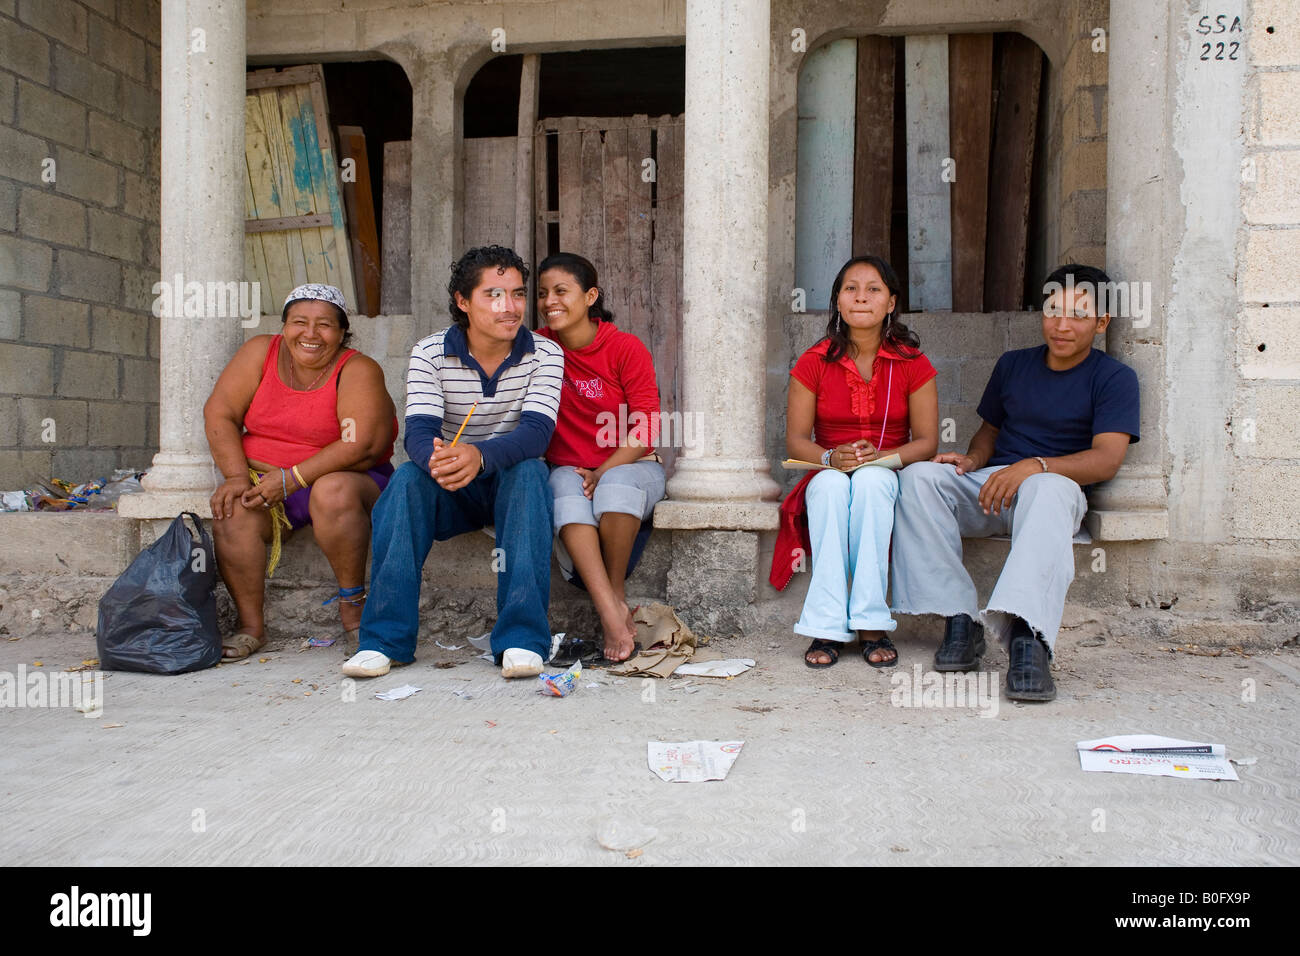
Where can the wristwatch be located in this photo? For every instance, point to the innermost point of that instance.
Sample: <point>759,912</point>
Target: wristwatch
<point>826,457</point>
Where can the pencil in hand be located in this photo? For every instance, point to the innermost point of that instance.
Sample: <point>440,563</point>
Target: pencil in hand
<point>463,424</point>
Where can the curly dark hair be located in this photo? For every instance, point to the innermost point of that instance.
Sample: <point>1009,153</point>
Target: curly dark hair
<point>468,270</point>
<point>898,338</point>
<point>584,273</point>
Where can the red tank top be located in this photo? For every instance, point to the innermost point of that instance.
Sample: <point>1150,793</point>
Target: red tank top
<point>283,426</point>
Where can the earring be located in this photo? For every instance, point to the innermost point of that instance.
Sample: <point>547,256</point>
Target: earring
<point>839,323</point>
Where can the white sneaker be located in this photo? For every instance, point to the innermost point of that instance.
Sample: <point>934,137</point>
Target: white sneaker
<point>367,664</point>
<point>517,662</point>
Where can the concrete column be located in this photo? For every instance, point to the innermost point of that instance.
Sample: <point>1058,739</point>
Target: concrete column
<point>724,481</point>
<point>203,172</point>
<point>1141,236</point>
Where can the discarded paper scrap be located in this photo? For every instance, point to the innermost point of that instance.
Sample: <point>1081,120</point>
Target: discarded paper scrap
<point>692,761</point>
<point>1154,755</point>
<point>399,693</point>
<point>724,668</point>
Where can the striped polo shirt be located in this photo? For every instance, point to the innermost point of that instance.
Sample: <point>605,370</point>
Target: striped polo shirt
<point>444,381</point>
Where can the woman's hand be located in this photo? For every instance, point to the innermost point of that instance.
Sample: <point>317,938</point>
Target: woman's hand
<point>590,479</point>
<point>227,493</point>
<point>268,491</point>
<point>846,457</point>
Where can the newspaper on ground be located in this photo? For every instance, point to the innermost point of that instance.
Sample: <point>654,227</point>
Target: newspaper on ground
<point>1158,756</point>
<point>730,667</point>
<point>692,761</point>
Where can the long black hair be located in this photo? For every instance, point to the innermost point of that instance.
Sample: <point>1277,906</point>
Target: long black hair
<point>897,337</point>
<point>584,273</point>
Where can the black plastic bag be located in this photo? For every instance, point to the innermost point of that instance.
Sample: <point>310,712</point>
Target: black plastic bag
<point>160,616</point>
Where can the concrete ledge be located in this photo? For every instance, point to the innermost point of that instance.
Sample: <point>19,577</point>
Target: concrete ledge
<point>718,516</point>
<point>168,505</point>
<point>58,542</point>
<point>1127,525</point>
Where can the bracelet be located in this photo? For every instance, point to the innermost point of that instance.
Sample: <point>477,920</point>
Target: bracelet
<point>298,477</point>
<point>284,489</point>
<point>1041,461</point>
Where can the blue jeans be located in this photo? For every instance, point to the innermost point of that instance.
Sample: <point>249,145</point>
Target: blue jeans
<point>414,511</point>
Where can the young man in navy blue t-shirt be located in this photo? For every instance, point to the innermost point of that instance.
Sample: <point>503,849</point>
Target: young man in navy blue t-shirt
<point>1057,417</point>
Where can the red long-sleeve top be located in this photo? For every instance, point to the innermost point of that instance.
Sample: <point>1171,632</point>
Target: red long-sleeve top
<point>609,395</point>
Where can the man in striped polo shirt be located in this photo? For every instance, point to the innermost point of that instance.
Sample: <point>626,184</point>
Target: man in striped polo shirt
<point>493,475</point>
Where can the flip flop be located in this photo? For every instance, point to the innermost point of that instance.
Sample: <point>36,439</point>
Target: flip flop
<point>243,643</point>
<point>574,649</point>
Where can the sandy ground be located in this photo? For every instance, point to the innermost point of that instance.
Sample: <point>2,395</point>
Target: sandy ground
<point>265,762</point>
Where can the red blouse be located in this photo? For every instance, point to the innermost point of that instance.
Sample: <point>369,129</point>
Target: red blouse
<point>849,408</point>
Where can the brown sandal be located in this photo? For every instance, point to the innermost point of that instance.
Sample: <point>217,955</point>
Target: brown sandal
<point>243,644</point>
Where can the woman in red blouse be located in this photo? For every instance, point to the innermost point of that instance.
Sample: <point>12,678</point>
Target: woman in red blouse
<point>605,484</point>
<point>864,392</point>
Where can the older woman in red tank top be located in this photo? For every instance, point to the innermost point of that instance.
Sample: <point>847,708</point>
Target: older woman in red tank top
<point>302,428</point>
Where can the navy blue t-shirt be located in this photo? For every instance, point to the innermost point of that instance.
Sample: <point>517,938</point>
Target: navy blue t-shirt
<point>1042,412</point>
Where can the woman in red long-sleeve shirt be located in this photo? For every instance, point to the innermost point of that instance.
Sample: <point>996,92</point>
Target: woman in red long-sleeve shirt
<point>605,477</point>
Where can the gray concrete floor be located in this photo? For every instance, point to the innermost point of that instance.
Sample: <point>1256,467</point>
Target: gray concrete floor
<point>242,765</point>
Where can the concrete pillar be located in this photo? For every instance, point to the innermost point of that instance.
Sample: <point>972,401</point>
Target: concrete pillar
<point>724,481</point>
<point>1141,234</point>
<point>203,172</point>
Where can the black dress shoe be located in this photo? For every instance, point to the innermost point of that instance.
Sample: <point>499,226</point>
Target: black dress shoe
<point>1030,675</point>
<point>963,645</point>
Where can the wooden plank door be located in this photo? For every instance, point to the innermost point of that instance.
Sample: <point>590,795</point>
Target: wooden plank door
<point>618,201</point>
<point>295,228</point>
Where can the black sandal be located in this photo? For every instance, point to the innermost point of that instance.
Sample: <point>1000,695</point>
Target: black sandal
<point>830,648</point>
<point>884,644</point>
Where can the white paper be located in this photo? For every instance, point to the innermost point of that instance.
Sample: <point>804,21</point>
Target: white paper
<point>727,668</point>
<point>399,693</point>
<point>692,761</point>
<point>1159,756</point>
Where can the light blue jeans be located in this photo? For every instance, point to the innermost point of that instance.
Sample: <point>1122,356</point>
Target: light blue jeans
<point>938,507</point>
<point>632,489</point>
<point>850,518</point>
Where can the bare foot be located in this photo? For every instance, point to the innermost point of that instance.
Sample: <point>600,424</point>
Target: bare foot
<point>620,636</point>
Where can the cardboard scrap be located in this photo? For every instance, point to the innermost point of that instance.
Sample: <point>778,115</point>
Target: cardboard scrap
<point>658,624</point>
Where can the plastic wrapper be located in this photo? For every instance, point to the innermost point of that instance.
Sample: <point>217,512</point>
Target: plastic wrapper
<point>562,685</point>
<point>160,616</point>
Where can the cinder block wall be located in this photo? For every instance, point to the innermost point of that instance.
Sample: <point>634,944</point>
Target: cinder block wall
<point>79,246</point>
<point>1265,423</point>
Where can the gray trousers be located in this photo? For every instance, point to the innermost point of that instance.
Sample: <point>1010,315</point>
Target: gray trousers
<point>938,507</point>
